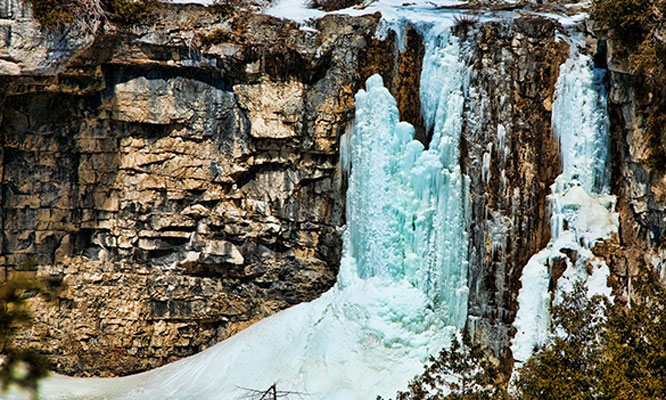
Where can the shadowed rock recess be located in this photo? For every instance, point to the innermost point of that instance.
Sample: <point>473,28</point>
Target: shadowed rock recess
<point>512,158</point>
<point>182,177</point>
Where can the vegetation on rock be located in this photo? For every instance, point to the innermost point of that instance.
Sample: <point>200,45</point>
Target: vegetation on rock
<point>332,5</point>
<point>225,7</point>
<point>638,26</point>
<point>599,351</point>
<point>54,14</point>
<point>602,350</point>
<point>216,37</point>
<point>20,366</point>
<point>638,32</point>
<point>129,11</point>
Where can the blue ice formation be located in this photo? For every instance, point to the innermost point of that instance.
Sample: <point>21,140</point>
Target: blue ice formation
<point>407,205</point>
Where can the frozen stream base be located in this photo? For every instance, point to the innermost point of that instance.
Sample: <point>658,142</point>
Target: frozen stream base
<point>368,338</point>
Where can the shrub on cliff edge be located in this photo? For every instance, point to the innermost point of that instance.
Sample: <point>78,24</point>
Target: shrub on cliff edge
<point>129,11</point>
<point>637,25</point>
<point>55,14</point>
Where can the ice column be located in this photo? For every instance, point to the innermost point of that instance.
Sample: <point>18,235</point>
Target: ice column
<point>580,122</point>
<point>407,205</point>
<point>444,79</point>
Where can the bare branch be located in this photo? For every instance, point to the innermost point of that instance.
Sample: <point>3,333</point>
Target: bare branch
<point>271,393</point>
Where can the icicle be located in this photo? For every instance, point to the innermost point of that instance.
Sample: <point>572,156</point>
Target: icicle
<point>485,167</point>
<point>582,212</point>
<point>345,149</point>
<point>407,210</point>
<point>502,148</point>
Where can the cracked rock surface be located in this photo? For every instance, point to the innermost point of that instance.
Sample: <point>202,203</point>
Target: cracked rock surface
<point>182,191</point>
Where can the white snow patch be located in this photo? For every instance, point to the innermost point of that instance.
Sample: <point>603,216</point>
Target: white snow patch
<point>588,217</point>
<point>395,12</point>
<point>597,282</point>
<point>533,318</point>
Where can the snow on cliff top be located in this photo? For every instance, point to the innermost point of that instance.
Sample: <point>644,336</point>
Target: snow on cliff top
<point>395,10</point>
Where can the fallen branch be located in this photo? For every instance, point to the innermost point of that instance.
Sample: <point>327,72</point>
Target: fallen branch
<point>271,393</point>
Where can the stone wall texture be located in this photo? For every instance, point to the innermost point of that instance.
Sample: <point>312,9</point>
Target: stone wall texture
<point>181,191</point>
<point>512,158</point>
<point>183,188</point>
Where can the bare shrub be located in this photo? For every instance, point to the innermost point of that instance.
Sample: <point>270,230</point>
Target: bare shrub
<point>332,5</point>
<point>88,14</point>
<point>129,11</point>
<point>465,20</point>
<point>55,14</point>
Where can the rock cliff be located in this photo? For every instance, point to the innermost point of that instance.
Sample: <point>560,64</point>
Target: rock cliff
<point>638,168</point>
<point>182,191</point>
<point>182,177</point>
<point>512,159</point>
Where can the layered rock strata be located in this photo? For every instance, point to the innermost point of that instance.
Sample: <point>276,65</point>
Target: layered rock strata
<point>181,177</point>
<point>181,189</point>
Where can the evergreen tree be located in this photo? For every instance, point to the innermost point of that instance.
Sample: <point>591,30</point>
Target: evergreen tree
<point>633,356</point>
<point>621,356</point>
<point>565,369</point>
<point>21,366</point>
<point>461,372</point>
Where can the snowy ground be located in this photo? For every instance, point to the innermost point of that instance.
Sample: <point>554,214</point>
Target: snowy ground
<point>353,343</point>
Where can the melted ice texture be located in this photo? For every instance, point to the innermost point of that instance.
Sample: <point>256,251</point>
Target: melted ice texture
<point>401,290</point>
<point>582,211</point>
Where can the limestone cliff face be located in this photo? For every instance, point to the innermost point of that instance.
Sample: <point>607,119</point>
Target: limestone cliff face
<point>181,191</point>
<point>512,158</point>
<point>26,49</point>
<point>184,188</point>
<point>639,171</point>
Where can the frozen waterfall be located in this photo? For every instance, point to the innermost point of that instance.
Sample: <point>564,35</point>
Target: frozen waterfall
<point>414,224</point>
<point>581,207</point>
<point>402,286</point>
